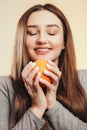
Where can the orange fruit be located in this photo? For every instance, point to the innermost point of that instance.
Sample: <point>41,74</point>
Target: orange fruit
<point>42,66</point>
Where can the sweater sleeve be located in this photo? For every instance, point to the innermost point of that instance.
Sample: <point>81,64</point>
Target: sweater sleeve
<point>29,120</point>
<point>62,119</point>
<point>4,106</point>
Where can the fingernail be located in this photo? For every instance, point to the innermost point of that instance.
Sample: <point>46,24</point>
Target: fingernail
<point>45,72</point>
<point>30,62</point>
<point>37,68</point>
<point>49,61</point>
<point>41,80</point>
<point>33,64</point>
<point>39,74</point>
<point>48,66</point>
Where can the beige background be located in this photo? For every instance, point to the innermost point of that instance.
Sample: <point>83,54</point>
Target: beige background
<point>10,12</point>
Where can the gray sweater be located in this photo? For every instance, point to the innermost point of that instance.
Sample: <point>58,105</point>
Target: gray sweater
<point>58,117</point>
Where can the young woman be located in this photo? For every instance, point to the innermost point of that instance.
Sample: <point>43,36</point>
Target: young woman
<point>43,32</point>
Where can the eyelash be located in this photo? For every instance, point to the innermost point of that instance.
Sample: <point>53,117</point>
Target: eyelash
<point>51,34</point>
<point>36,34</point>
<point>32,34</point>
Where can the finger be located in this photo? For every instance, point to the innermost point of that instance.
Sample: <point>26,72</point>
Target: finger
<point>31,76</point>
<point>46,83</point>
<point>27,70</point>
<point>53,70</point>
<point>36,82</point>
<point>53,77</point>
<point>52,63</point>
<point>37,78</point>
<point>36,87</point>
<point>29,90</point>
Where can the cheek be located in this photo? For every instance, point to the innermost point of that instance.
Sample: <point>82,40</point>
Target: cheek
<point>59,41</point>
<point>28,46</point>
<point>29,42</point>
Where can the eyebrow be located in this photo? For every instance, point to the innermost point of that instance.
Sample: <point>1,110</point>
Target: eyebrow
<point>52,25</point>
<point>49,25</point>
<point>32,26</point>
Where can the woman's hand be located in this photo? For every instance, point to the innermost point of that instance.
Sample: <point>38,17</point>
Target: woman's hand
<point>31,77</point>
<point>51,88</point>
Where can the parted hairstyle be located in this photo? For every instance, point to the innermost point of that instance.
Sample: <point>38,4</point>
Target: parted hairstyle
<point>70,92</point>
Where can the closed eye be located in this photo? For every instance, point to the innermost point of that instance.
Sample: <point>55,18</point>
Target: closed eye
<point>31,33</point>
<point>52,34</point>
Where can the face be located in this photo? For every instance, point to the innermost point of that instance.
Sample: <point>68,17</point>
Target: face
<point>44,38</point>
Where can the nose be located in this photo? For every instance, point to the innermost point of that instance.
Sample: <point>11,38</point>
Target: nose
<point>41,38</point>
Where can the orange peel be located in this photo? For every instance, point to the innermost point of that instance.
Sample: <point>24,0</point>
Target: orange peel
<point>42,66</point>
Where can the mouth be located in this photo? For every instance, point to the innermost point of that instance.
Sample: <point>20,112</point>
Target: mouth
<point>42,51</point>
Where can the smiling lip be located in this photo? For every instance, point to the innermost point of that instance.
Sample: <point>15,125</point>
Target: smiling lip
<point>42,51</point>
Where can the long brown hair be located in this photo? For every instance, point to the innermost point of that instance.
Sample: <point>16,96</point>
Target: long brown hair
<point>70,92</point>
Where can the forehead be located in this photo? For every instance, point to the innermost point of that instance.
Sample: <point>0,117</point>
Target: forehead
<point>43,17</point>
